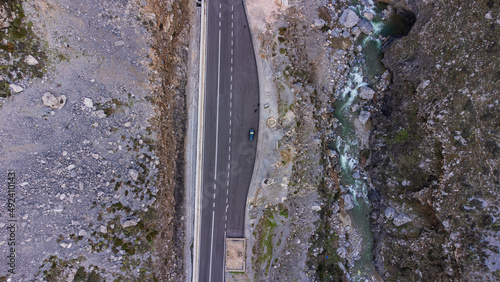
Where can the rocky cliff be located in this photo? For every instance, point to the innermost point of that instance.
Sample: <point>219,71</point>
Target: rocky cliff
<point>435,146</point>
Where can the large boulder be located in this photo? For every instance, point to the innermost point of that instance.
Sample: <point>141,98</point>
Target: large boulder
<point>401,219</point>
<point>366,93</point>
<point>349,18</point>
<point>50,100</point>
<point>348,202</point>
<point>364,116</point>
<point>365,26</point>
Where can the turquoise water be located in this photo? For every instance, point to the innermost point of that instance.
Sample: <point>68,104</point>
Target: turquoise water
<point>348,147</point>
<point>369,66</point>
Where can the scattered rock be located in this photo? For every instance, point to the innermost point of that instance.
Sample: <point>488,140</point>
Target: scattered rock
<point>288,119</point>
<point>127,124</point>
<point>348,201</point>
<point>423,85</point>
<point>333,154</point>
<point>100,114</point>
<point>133,174</point>
<point>316,208</point>
<point>103,229</point>
<point>368,15</point>
<point>95,156</point>
<point>15,88</point>
<point>349,18</point>
<point>366,93</point>
<point>401,219</point>
<point>365,26</point>
<point>30,60</point>
<point>130,222</point>
<point>319,23</point>
<point>119,43</point>
<point>82,233</point>
<point>71,167</point>
<point>88,103</point>
<point>364,116</point>
<point>50,100</point>
<point>356,31</point>
<point>389,213</point>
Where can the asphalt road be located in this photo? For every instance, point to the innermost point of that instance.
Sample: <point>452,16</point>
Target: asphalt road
<point>232,108</point>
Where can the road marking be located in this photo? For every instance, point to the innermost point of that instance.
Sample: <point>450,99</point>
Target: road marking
<point>232,8</point>
<point>227,192</point>
<point>229,146</point>
<point>226,200</point>
<point>229,133</point>
<point>219,24</point>
<point>231,61</point>
<point>216,148</point>
<point>231,75</point>
<point>232,33</point>
<point>227,183</point>
<point>220,5</point>
<point>232,51</point>
<point>231,87</point>
<point>214,195</point>
<point>220,15</point>
<point>230,125</point>
<point>230,140</point>
<point>232,24</point>
<point>231,66</point>
<point>232,43</point>
<point>231,95</point>
<point>228,166</point>
<point>230,113</point>
<point>230,104</point>
<point>217,121</point>
<point>211,247</point>
<point>227,177</point>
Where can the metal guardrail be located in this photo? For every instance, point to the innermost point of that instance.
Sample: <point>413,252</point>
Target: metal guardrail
<point>199,146</point>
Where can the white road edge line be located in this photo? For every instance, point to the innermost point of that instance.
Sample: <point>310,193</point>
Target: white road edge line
<point>216,148</point>
<point>211,247</point>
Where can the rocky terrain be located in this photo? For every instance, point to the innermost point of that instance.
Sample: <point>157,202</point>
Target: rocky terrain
<point>427,135</point>
<point>435,146</point>
<point>92,139</point>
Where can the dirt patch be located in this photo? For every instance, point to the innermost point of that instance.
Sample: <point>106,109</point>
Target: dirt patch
<point>235,254</point>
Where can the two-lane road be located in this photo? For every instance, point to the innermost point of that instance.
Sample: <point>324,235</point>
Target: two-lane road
<point>231,109</point>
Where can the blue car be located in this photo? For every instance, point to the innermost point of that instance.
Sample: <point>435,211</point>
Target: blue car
<point>251,134</point>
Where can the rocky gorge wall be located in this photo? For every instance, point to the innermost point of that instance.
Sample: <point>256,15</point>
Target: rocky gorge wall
<point>435,146</point>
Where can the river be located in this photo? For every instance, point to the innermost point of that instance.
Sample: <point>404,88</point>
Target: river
<point>366,69</point>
